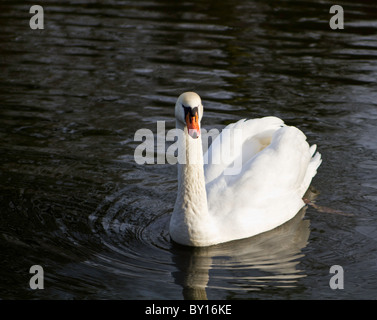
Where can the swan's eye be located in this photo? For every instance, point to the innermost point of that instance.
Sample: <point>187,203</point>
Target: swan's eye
<point>191,111</point>
<point>187,110</point>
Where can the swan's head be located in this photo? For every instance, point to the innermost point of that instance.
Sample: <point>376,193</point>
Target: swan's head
<point>189,111</point>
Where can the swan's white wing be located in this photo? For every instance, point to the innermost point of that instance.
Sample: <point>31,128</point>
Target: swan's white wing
<point>237,143</point>
<point>268,191</point>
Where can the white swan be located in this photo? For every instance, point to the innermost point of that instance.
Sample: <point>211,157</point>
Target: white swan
<point>214,207</point>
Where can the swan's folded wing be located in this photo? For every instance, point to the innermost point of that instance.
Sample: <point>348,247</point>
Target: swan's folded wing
<point>269,189</point>
<point>237,143</point>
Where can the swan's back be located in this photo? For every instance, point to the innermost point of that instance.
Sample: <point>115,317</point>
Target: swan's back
<point>277,166</point>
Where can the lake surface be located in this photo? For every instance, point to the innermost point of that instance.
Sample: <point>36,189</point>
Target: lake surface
<point>72,96</point>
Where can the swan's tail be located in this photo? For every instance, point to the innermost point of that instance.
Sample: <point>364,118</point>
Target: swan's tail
<point>311,171</point>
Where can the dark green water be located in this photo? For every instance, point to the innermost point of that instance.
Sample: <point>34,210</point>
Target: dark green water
<point>72,198</point>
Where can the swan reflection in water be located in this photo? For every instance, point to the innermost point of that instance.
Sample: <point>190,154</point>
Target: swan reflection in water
<point>268,259</point>
<point>143,251</point>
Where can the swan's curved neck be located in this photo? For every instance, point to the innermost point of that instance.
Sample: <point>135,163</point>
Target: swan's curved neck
<point>190,223</point>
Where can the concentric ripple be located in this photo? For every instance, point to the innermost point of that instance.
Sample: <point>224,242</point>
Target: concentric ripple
<point>137,244</point>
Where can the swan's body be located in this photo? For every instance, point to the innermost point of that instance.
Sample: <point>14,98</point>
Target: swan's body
<point>215,204</point>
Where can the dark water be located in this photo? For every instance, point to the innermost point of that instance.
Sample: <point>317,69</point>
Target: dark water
<point>72,198</point>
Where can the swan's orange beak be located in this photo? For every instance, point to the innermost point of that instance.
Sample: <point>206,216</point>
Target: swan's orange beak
<point>193,125</point>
